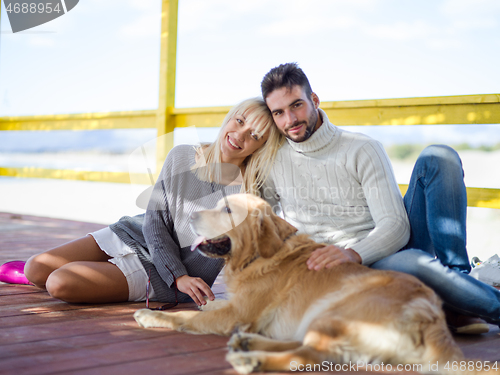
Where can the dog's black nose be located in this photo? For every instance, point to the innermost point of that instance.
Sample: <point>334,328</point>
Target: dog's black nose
<point>194,216</point>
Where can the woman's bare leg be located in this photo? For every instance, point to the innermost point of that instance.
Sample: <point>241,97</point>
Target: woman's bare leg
<point>40,266</point>
<point>88,282</point>
<point>78,271</point>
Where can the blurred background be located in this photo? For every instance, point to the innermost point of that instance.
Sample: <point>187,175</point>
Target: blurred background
<point>104,56</point>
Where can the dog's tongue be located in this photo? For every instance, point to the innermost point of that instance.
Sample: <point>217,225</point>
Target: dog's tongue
<point>197,242</point>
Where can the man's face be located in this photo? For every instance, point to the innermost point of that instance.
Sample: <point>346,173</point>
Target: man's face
<point>295,114</point>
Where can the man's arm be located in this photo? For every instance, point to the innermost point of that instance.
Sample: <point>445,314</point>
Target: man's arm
<point>384,201</point>
<point>331,256</point>
<point>392,227</point>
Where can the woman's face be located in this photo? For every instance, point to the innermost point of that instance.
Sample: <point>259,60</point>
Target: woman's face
<point>240,140</point>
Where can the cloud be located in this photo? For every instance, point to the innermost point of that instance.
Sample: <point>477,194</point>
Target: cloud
<point>202,15</point>
<point>144,26</point>
<point>467,14</point>
<point>435,37</point>
<point>147,22</point>
<point>403,30</point>
<point>444,44</point>
<point>281,17</point>
<point>308,25</point>
<point>470,8</point>
<point>145,5</point>
<point>92,5</point>
<point>41,41</point>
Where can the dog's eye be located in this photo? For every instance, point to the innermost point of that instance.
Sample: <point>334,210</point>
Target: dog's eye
<point>226,209</point>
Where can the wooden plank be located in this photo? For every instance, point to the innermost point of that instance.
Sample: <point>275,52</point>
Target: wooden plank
<point>68,174</point>
<point>199,362</point>
<point>417,115</point>
<point>36,315</point>
<point>22,236</point>
<point>345,116</point>
<point>464,109</point>
<point>173,349</point>
<point>26,307</point>
<point>476,197</point>
<point>416,101</point>
<point>38,332</point>
<point>81,121</point>
<point>484,347</point>
<point>204,117</point>
<point>14,289</point>
<point>467,340</point>
<point>483,197</point>
<point>76,360</point>
<point>165,123</point>
<point>16,301</point>
<point>74,343</point>
<point>28,311</point>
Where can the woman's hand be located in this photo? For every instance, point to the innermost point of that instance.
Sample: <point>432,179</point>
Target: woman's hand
<point>331,256</point>
<point>196,288</point>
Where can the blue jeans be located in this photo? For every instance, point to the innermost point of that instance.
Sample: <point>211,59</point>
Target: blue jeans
<point>436,203</point>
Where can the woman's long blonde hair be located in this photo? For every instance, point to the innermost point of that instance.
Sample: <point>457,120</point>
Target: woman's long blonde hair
<point>256,167</point>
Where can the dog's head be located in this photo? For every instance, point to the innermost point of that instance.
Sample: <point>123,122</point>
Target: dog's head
<point>240,228</point>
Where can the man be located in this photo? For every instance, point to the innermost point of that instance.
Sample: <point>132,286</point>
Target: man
<point>339,187</point>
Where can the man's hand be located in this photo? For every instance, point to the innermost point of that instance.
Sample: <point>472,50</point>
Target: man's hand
<point>196,288</point>
<point>331,256</point>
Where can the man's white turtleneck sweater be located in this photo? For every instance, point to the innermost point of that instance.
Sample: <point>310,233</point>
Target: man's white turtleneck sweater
<point>339,187</point>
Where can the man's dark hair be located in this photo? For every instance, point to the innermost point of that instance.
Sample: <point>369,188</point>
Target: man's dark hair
<point>285,75</point>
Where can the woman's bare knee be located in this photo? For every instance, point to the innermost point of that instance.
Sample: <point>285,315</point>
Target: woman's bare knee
<point>88,282</point>
<point>39,267</point>
<point>37,270</point>
<point>65,285</point>
<point>59,286</point>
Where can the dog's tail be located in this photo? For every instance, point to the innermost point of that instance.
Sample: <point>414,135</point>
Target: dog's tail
<point>440,347</point>
<point>443,356</point>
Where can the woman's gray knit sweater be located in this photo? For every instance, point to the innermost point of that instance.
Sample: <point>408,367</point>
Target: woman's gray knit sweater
<point>162,237</point>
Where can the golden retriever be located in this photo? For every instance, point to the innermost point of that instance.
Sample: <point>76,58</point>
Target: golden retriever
<point>290,318</point>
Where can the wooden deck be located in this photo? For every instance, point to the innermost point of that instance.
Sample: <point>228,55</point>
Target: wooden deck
<point>41,335</point>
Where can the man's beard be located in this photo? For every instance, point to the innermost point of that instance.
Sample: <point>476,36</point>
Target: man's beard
<point>310,128</point>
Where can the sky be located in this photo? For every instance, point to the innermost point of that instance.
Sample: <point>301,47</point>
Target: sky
<point>104,54</point>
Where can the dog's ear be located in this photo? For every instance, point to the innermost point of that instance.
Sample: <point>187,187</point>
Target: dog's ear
<point>273,231</point>
<point>285,229</point>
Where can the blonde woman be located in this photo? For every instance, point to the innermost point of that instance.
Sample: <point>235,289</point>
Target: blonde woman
<point>116,263</point>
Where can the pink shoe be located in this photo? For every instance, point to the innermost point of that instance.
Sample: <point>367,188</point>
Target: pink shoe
<point>13,273</point>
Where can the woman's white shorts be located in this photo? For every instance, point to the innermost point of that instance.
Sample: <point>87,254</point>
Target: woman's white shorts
<point>127,261</point>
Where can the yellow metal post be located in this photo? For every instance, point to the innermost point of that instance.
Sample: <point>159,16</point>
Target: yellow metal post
<point>165,122</point>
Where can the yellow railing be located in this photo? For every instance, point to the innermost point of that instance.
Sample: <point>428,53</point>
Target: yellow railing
<point>466,109</point>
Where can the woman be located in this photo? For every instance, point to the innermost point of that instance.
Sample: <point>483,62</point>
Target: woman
<point>116,263</point>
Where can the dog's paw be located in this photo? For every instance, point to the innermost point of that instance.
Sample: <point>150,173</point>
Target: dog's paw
<point>205,307</point>
<point>149,319</point>
<point>240,342</point>
<point>244,363</point>
<point>213,305</point>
